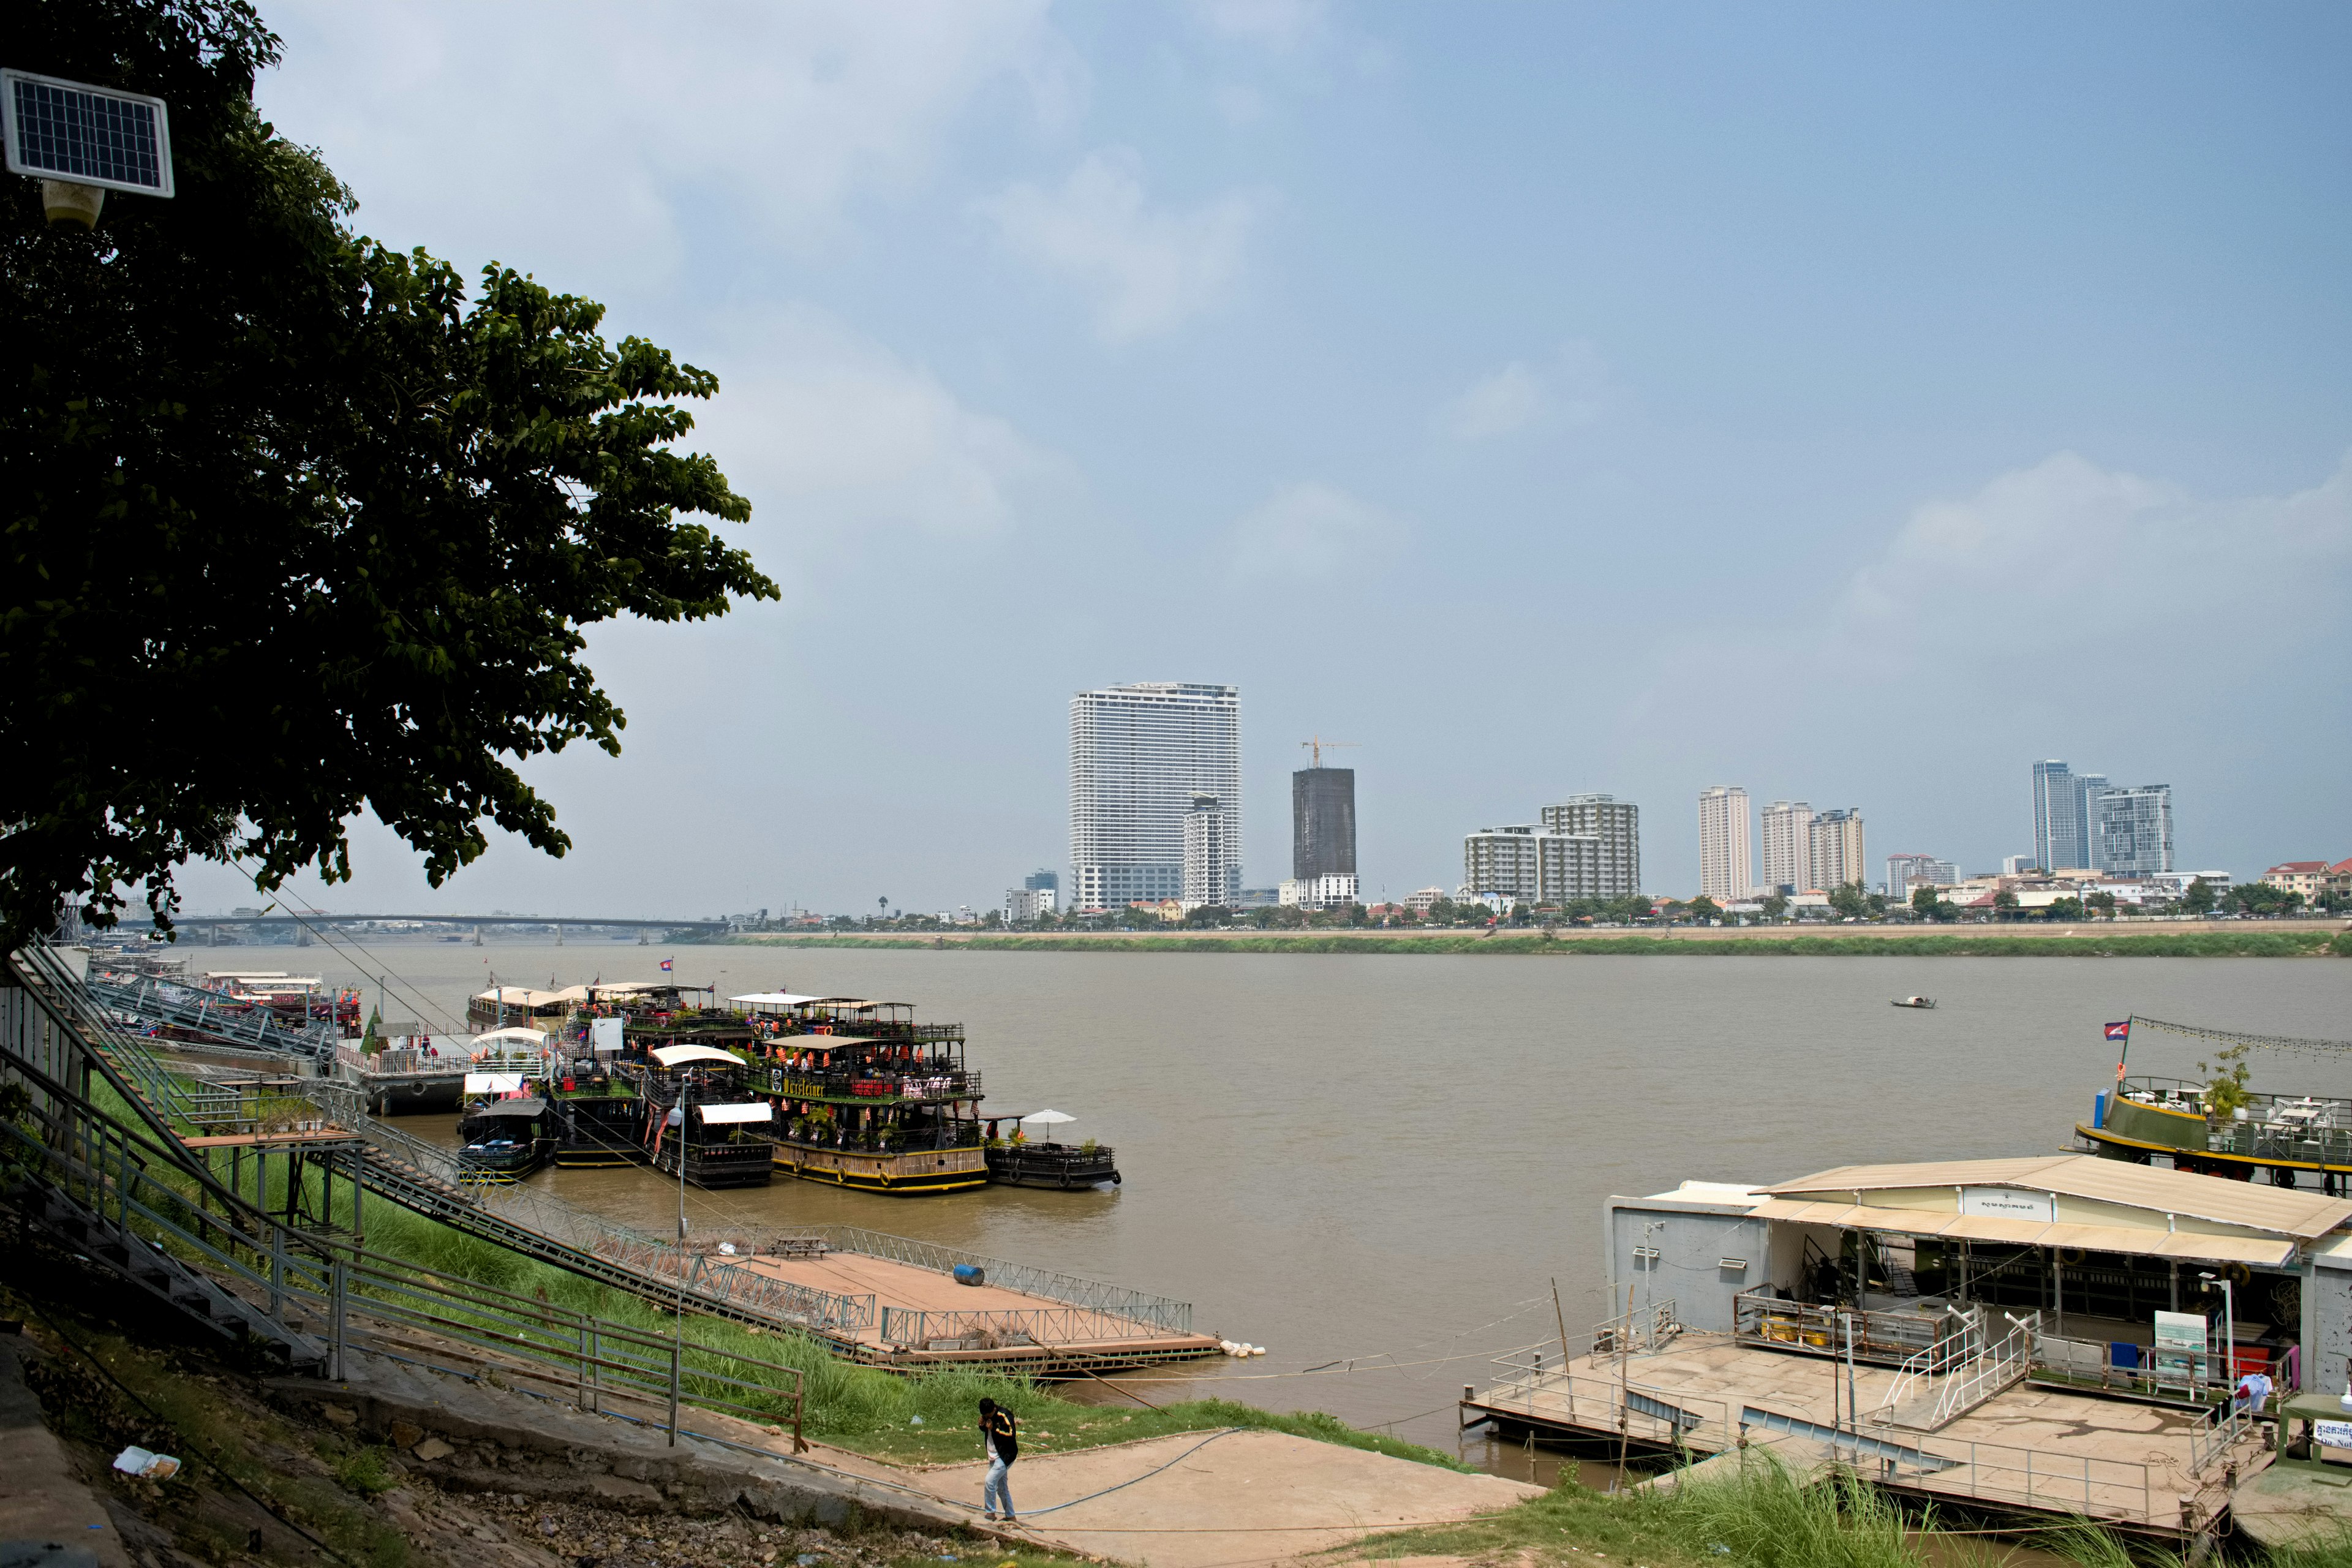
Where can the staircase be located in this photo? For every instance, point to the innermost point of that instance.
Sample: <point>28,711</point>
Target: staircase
<point>1967,1365</point>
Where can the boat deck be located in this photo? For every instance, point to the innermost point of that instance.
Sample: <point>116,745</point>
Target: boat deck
<point>2029,1448</point>
<point>922,1316</point>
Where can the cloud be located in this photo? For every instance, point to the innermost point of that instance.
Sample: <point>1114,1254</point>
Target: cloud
<point>1276,24</point>
<point>836,440</point>
<point>1149,269</point>
<point>1573,389</point>
<point>536,130</point>
<point>1312,533</point>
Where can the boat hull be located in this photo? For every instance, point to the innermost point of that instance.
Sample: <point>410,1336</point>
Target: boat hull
<point>1066,1171</point>
<point>2113,1144</point>
<point>914,1173</point>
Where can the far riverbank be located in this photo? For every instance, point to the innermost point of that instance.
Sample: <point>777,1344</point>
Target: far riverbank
<point>2202,939</point>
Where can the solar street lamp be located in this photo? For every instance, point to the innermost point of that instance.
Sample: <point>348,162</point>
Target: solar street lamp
<point>82,141</point>
<point>2229,1327</point>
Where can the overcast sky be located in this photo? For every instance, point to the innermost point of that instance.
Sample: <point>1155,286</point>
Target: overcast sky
<point>1853,402</point>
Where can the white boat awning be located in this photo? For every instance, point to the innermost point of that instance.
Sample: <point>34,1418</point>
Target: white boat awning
<point>683,1055</point>
<point>514,1035</point>
<point>758,1110</point>
<point>493,1082</point>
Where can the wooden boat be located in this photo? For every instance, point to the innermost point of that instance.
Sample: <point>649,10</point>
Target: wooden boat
<point>502,1140</point>
<point>699,1114</point>
<point>1922,1002</point>
<point>865,1097</point>
<point>2221,1127</point>
<point>597,1119</point>
<point>1019,1160</point>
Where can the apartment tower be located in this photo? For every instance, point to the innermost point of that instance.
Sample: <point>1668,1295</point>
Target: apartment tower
<point>2063,803</point>
<point>1617,824</point>
<point>1322,822</point>
<point>1726,862</point>
<point>1213,854</point>
<point>1138,753</point>
<point>2131,830</point>
<point>1833,850</point>
<point>1788,838</point>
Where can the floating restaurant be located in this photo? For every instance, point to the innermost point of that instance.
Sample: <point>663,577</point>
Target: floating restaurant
<point>2050,1334</point>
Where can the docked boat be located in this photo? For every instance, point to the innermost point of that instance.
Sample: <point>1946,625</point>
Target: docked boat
<point>1920,1002</point>
<point>1019,1160</point>
<point>700,1119</point>
<point>503,1140</point>
<point>2221,1126</point>
<point>864,1096</point>
<point>597,1120</point>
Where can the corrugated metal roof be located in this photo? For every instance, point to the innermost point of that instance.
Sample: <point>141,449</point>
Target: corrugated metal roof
<point>2187,1245</point>
<point>2285,1211</point>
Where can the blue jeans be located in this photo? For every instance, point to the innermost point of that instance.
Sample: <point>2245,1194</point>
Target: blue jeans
<point>994,1493</point>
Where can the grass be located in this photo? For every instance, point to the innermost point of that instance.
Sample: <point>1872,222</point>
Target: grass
<point>2081,941</point>
<point>1764,1517</point>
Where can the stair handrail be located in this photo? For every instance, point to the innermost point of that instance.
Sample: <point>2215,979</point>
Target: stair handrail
<point>2004,1362</point>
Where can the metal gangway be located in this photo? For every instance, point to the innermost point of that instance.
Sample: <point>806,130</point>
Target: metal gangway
<point>239,1026</point>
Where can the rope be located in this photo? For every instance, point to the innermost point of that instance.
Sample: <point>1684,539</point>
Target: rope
<point>1144,1477</point>
<point>2239,1037</point>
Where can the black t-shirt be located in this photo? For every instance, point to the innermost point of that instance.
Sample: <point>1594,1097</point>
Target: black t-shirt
<point>997,1425</point>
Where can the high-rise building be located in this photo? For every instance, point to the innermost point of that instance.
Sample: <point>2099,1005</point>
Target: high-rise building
<point>2132,830</point>
<point>1533,866</point>
<point>1025,904</point>
<point>1788,825</point>
<point>1726,863</point>
<point>2062,800</point>
<point>1138,753</point>
<point>1905,872</point>
<point>1618,825</point>
<point>2018,865</point>
<point>1043,882</point>
<point>1322,822</point>
<point>1213,854</point>
<point>1833,849</point>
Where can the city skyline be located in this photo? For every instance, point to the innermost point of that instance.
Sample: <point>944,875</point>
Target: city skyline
<point>1269,348</point>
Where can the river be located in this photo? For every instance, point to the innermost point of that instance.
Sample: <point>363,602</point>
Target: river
<point>1389,1159</point>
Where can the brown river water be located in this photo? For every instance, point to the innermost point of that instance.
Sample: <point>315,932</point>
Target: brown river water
<point>1386,1161</point>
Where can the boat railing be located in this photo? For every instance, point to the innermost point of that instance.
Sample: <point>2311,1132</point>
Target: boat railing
<point>1642,1331</point>
<point>1049,1328</point>
<point>1879,1337</point>
<point>794,1084</point>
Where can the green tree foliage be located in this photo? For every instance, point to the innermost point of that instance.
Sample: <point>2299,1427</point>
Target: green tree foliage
<point>292,529</point>
<point>1703,908</point>
<point>2065,909</point>
<point>1853,901</point>
<point>2261,898</point>
<point>2197,898</point>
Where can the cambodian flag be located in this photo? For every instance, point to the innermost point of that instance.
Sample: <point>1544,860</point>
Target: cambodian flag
<point>2115,1031</point>
<point>665,967</point>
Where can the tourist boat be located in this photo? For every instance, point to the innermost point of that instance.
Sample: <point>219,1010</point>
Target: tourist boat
<point>865,1097</point>
<point>553,1009</point>
<point>1018,1160</point>
<point>1915,1002</point>
<point>2222,1127</point>
<point>503,1140</point>
<point>700,1116</point>
<point>597,1119</point>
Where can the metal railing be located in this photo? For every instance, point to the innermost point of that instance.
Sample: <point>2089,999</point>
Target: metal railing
<point>1052,1328</point>
<point>1642,1331</point>
<point>235,1022</point>
<point>1881,1338</point>
<point>1137,1307</point>
<point>1967,1365</point>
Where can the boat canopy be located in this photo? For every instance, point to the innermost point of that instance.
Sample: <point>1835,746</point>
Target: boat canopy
<point>757,1110</point>
<point>514,1035</point>
<point>1049,1118</point>
<point>685,1056</point>
<point>524,996</point>
<point>829,1042</point>
<point>524,1107</point>
<point>787,999</point>
<point>493,1082</point>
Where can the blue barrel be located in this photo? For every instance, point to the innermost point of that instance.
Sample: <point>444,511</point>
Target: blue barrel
<point>970,1274</point>
<point>2099,1109</point>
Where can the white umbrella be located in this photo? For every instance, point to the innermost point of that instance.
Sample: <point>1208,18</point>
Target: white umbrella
<point>1048,1118</point>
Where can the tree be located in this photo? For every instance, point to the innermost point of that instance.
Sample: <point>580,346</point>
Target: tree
<point>1703,908</point>
<point>1775,905</point>
<point>2104,902</point>
<point>2065,909</point>
<point>2197,898</point>
<point>1928,905</point>
<point>291,530</point>
<point>1851,901</point>
<point>2004,905</point>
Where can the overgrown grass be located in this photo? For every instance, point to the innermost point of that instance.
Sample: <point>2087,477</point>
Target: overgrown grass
<point>1762,1516</point>
<point>2079,941</point>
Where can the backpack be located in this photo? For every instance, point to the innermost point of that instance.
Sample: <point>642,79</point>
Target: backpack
<point>1002,1435</point>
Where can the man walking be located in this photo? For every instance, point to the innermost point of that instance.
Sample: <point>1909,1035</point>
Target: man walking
<point>997,1434</point>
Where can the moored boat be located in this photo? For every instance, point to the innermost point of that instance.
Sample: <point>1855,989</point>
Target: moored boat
<point>2221,1126</point>
<point>503,1140</point>
<point>864,1096</point>
<point>1920,1002</point>
<point>1017,1160</point>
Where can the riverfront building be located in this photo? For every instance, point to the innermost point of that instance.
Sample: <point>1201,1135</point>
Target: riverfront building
<point>2062,817</point>
<point>1322,823</point>
<point>1213,854</point>
<point>1905,872</point>
<point>1617,824</point>
<point>2132,830</point>
<point>1787,828</point>
<point>1530,866</point>
<point>1138,753</point>
<point>1834,852</point>
<point>1726,863</point>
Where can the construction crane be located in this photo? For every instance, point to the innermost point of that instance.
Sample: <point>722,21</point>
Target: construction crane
<point>1318,744</point>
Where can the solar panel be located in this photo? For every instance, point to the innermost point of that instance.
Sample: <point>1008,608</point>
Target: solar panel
<point>91,135</point>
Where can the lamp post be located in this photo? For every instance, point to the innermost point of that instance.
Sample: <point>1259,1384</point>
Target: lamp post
<point>678,1339</point>
<point>2229,1329</point>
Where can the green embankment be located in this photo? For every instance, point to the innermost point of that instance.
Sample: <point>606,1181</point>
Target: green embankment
<point>861,1409</point>
<point>2089,941</point>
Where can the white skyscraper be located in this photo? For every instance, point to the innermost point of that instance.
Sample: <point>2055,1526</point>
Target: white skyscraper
<point>1835,853</point>
<point>2131,830</point>
<point>1726,862</point>
<point>1138,753</point>
<point>1213,854</point>
<point>1788,826</point>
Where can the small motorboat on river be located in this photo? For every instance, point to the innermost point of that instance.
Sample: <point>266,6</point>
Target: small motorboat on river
<point>1921,1002</point>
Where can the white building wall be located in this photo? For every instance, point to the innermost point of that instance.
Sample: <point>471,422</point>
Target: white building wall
<point>1787,828</point>
<point>1726,863</point>
<point>1138,755</point>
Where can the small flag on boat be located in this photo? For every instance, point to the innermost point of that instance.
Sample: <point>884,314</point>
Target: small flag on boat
<point>2115,1031</point>
<point>665,967</point>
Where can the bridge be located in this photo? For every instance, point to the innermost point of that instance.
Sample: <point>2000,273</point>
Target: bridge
<point>569,922</point>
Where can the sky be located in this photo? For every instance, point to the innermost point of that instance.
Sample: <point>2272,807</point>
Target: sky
<point>1855,403</point>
